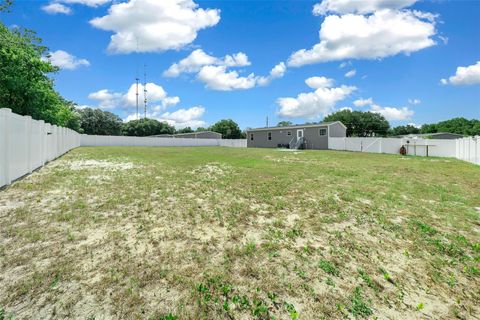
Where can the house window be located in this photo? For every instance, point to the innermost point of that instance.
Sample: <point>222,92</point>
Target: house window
<point>251,136</point>
<point>269,136</point>
<point>289,133</point>
<point>322,132</point>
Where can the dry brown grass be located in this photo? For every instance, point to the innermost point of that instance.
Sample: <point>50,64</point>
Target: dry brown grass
<point>218,233</point>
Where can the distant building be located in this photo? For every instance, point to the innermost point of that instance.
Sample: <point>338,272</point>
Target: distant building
<point>437,135</point>
<point>306,136</point>
<point>192,135</point>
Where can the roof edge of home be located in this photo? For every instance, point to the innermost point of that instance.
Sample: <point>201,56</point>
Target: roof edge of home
<point>300,126</point>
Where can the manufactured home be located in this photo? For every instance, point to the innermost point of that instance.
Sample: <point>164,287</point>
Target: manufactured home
<point>306,136</point>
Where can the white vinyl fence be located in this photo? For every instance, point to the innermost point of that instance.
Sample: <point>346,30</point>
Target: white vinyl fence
<point>104,141</point>
<point>27,144</point>
<point>468,149</point>
<point>418,147</point>
<point>95,141</point>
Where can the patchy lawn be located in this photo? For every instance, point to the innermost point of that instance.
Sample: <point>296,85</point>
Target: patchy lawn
<point>220,233</point>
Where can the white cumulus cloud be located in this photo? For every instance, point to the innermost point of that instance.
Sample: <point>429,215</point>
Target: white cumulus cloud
<point>363,102</point>
<point>351,73</point>
<point>465,76</point>
<point>90,3</point>
<point>59,6</point>
<point>183,118</point>
<point>215,72</point>
<point>153,25</point>
<point>358,6</point>
<point>218,78</point>
<point>314,104</point>
<point>319,82</point>
<point>392,113</point>
<point>180,119</point>
<point>381,34</point>
<point>157,98</point>
<point>198,58</point>
<point>54,8</point>
<point>65,60</point>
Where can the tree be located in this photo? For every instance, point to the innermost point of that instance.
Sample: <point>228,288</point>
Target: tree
<point>98,122</point>
<point>429,128</point>
<point>185,130</point>
<point>361,124</point>
<point>5,5</point>
<point>455,125</point>
<point>25,86</point>
<point>284,124</point>
<point>404,130</point>
<point>228,128</point>
<point>146,127</point>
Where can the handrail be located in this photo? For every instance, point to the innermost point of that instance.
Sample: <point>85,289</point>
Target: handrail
<point>291,143</point>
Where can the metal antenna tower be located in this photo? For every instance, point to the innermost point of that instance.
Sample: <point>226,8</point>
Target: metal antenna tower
<point>145,88</point>
<point>137,79</point>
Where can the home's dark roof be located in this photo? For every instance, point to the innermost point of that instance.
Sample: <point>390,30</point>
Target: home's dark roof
<point>433,134</point>
<point>296,126</point>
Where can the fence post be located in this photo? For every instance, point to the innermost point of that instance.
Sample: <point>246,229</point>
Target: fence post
<point>5,143</point>
<point>43,140</point>
<point>477,161</point>
<point>28,145</point>
<point>380,146</point>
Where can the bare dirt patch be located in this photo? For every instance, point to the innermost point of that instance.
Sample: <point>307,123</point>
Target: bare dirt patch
<point>216,233</point>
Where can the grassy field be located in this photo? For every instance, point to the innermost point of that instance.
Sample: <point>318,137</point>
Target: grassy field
<point>220,233</point>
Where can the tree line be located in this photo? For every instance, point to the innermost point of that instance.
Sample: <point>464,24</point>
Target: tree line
<point>368,124</point>
<point>98,122</point>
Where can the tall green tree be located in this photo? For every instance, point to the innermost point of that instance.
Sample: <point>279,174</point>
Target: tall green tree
<point>455,125</point>
<point>285,124</point>
<point>98,122</point>
<point>404,130</point>
<point>228,128</point>
<point>185,130</point>
<point>25,85</point>
<point>361,124</point>
<point>146,127</point>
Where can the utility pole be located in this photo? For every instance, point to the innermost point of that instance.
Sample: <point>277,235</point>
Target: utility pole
<point>267,121</point>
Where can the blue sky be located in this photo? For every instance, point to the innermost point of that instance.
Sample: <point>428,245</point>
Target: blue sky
<point>396,53</point>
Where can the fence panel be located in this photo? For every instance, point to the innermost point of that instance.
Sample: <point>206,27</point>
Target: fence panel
<point>418,147</point>
<point>26,144</point>
<point>92,141</point>
<point>468,149</point>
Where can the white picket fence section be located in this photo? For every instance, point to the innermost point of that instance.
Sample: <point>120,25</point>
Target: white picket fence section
<point>27,144</point>
<point>468,149</point>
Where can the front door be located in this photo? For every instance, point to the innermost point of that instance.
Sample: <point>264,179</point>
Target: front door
<point>299,134</point>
